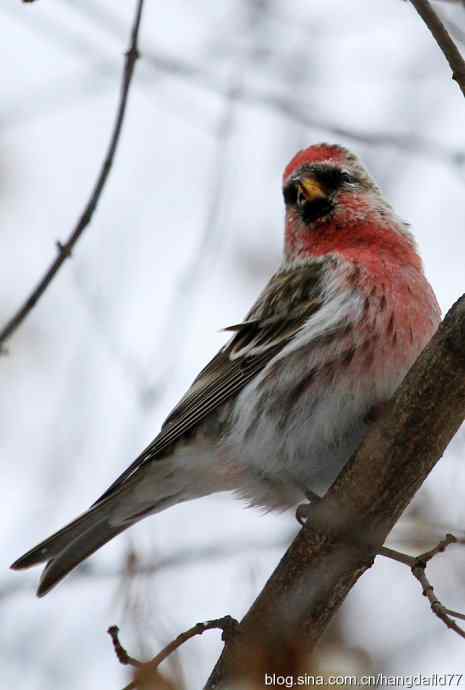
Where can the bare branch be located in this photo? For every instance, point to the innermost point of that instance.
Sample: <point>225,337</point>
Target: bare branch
<point>443,39</point>
<point>121,653</point>
<point>427,556</point>
<point>227,624</point>
<point>145,670</point>
<point>348,526</point>
<point>418,564</point>
<point>438,609</point>
<point>65,249</point>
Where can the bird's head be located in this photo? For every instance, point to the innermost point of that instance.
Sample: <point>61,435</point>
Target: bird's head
<point>332,202</point>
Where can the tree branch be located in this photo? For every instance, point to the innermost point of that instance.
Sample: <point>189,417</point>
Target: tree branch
<point>443,613</point>
<point>121,654</point>
<point>349,525</point>
<point>417,565</point>
<point>64,250</point>
<point>443,39</point>
<point>147,670</point>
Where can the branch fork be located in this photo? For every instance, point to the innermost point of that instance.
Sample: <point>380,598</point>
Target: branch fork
<point>145,670</point>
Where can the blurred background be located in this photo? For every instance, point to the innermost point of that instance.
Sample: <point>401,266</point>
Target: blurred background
<point>188,230</point>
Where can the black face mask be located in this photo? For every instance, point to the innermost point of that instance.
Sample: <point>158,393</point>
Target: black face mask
<point>312,210</point>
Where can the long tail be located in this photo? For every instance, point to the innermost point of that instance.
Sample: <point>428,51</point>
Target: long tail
<point>65,549</point>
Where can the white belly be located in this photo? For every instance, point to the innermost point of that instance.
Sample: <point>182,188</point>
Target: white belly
<point>293,434</point>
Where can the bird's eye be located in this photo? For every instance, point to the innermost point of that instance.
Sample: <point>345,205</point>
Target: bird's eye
<point>301,198</point>
<point>290,193</point>
<point>347,177</point>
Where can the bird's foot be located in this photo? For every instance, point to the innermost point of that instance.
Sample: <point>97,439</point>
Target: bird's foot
<point>303,510</point>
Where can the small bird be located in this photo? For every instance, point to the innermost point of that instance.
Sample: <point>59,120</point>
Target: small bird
<point>284,404</point>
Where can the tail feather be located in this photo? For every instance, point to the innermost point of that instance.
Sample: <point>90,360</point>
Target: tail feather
<point>65,549</point>
<point>78,550</point>
<point>51,547</point>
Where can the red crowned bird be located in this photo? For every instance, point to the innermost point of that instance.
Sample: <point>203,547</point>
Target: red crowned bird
<point>284,404</point>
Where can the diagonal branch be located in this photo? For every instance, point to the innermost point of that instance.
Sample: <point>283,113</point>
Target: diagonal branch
<point>444,41</point>
<point>348,526</point>
<point>147,670</point>
<point>64,250</point>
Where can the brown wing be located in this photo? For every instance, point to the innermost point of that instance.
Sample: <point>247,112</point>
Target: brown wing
<point>289,299</point>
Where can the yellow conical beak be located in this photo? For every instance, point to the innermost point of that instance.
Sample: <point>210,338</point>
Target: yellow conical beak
<point>312,189</point>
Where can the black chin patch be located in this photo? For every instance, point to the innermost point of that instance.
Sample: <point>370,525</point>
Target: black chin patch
<point>312,210</point>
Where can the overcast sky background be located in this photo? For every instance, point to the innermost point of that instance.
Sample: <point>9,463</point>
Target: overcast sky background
<point>188,231</point>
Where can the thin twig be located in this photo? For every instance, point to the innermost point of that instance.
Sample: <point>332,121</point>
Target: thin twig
<point>227,624</point>
<point>121,653</point>
<point>397,556</point>
<point>417,565</point>
<point>64,250</point>
<point>437,607</point>
<point>444,41</point>
<point>455,614</point>
<point>427,556</point>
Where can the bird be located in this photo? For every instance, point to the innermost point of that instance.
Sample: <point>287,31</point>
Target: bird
<point>281,408</point>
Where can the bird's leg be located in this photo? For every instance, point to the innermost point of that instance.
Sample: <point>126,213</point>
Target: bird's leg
<point>303,510</point>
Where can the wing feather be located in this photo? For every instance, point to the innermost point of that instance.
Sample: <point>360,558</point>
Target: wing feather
<point>284,307</point>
